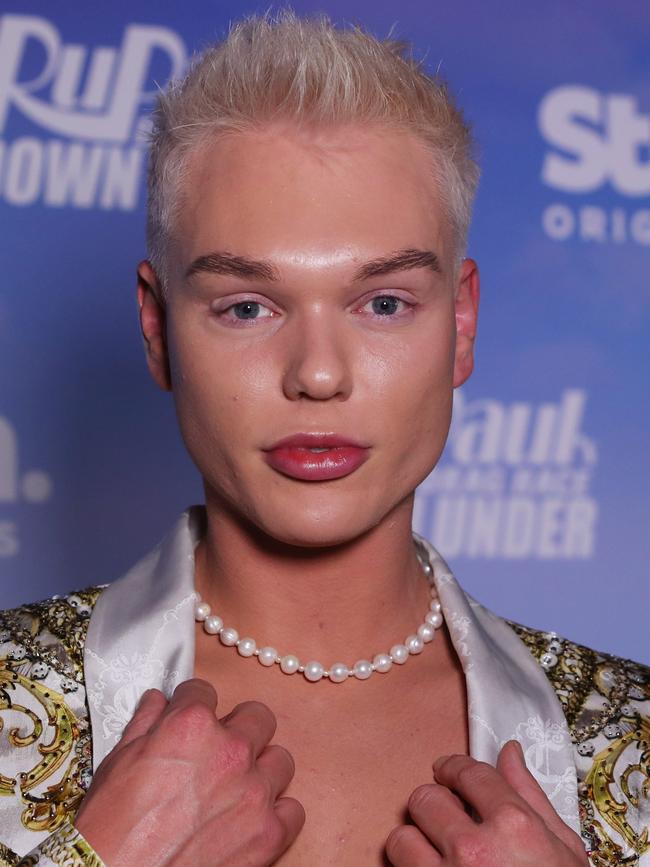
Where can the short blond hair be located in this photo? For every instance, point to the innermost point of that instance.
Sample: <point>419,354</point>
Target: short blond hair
<point>307,71</point>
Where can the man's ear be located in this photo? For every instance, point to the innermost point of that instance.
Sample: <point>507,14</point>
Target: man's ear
<point>152,324</point>
<point>466,306</point>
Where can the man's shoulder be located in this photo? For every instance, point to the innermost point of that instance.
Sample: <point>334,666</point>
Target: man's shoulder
<point>50,633</point>
<point>606,702</point>
<point>596,689</point>
<point>46,748</point>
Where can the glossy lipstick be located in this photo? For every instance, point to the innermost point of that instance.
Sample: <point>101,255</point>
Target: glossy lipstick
<point>316,457</point>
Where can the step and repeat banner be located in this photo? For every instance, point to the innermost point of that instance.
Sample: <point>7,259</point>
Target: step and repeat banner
<point>540,502</point>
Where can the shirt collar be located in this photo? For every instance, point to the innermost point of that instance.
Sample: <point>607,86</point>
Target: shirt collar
<point>141,635</point>
<point>509,696</point>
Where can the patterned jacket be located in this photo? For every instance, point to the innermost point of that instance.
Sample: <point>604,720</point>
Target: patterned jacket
<point>47,746</point>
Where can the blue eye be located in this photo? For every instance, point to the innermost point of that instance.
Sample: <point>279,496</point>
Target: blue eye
<point>385,305</point>
<point>241,313</point>
<point>246,309</point>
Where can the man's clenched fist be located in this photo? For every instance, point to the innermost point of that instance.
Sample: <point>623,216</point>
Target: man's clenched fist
<point>183,787</point>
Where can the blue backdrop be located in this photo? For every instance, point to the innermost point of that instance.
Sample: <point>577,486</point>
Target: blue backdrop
<point>540,501</point>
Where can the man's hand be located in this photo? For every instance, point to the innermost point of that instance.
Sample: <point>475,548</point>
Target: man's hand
<point>183,787</point>
<point>516,825</point>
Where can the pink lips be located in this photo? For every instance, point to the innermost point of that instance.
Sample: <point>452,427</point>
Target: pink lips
<point>293,457</point>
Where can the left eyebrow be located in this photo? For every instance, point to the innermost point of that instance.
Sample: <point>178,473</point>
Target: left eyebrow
<point>402,260</point>
<point>241,266</point>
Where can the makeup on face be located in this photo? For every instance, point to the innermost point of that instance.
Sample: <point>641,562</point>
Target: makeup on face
<point>311,329</point>
<point>316,457</point>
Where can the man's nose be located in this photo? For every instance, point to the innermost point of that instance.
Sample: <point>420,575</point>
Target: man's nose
<point>318,359</point>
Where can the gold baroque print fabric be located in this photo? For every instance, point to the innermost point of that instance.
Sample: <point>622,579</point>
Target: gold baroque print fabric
<point>45,740</point>
<point>66,847</point>
<point>606,701</point>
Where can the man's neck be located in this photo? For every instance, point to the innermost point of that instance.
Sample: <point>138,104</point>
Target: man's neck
<point>341,603</point>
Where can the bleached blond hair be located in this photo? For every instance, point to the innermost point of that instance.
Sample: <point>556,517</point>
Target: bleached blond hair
<point>307,71</point>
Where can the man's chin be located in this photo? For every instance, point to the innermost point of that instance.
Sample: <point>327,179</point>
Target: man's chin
<point>328,533</point>
<point>316,530</point>
<point>301,521</point>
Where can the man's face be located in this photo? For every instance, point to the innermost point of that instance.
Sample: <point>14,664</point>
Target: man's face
<point>322,347</point>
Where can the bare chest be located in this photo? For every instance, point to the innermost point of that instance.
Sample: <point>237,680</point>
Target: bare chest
<point>356,791</point>
<point>359,753</point>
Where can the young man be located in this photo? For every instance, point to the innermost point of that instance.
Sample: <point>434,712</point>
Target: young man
<point>265,686</point>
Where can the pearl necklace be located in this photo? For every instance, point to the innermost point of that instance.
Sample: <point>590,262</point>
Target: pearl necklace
<point>338,672</point>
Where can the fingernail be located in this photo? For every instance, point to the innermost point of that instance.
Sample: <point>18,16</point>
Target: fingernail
<point>520,750</point>
<point>142,697</point>
<point>438,762</point>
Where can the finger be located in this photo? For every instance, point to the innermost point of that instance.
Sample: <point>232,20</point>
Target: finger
<point>192,691</point>
<point>149,710</point>
<point>191,713</point>
<point>253,720</point>
<point>511,764</point>
<point>291,814</point>
<point>407,846</point>
<point>278,766</point>
<point>440,815</point>
<point>478,784</point>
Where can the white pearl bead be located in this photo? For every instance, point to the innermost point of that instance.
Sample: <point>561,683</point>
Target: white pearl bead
<point>201,611</point>
<point>426,632</point>
<point>414,644</point>
<point>228,636</point>
<point>212,624</point>
<point>362,669</point>
<point>435,605</point>
<point>382,662</point>
<point>289,663</point>
<point>338,672</point>
<point>246,646</point>
<point>267,655</point>
<point>426,568</point>
<point>314,671</point>
<point>434,618</point>
<point>399,653</point>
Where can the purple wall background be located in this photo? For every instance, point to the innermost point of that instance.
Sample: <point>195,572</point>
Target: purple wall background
<point>540,501</point>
